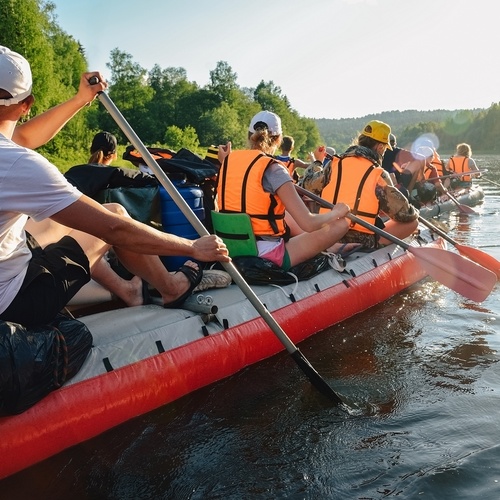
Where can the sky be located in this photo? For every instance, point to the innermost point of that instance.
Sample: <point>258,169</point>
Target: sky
<point>331,58</point>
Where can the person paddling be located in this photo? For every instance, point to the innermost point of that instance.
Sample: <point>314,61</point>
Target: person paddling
<point>357,178</point>
<point>36,283</point>
<point>252,181</point>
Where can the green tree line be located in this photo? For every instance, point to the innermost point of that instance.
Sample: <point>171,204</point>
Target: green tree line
<point>479,127</point>
<point>162,105</point>
<point>166,109</point>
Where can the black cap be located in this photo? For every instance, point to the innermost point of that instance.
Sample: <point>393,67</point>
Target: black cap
<point>105,142</point>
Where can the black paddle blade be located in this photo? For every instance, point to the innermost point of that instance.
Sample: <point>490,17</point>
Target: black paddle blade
<point>315,377</point>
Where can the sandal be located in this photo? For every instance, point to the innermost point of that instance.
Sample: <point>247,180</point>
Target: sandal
<point>194,277</point>
<point>336,261</point>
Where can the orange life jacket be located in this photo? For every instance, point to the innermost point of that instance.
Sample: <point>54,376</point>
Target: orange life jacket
<point>430,172</point>
<point>438,164</point>
<point>353,180</point>
<point>289,163</point>
<point>459,165</point>
<point>240,189</point>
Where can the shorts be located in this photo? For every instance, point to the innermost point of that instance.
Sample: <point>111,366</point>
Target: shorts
<point>54,276</point>
<point>275,251</point>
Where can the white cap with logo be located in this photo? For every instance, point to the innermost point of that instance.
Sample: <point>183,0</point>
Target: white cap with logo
<point>15,76</point>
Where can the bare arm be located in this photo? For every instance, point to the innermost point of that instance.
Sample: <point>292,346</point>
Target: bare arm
<point>42,128</point>
<point>301,164</point>
<point>90,217</point>
<point>474,168</point>
<point>223,151</point>
<point>394,204</point>
<point>306,220</point>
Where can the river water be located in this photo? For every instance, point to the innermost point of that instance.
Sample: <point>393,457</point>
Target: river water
<point>420,371</point>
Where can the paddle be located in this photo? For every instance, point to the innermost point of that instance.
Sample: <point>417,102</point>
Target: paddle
<point>299,358</point>
<point>441,225</point>
<point>490,181</point>
<point>452,270</point>
<point>464,209</point>
<point>457,175</point>
<point>482,258</point>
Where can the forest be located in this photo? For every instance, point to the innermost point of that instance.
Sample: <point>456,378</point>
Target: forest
<point>166,109</point>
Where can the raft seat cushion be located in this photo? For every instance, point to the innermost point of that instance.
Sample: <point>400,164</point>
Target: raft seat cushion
<point>236,232</point>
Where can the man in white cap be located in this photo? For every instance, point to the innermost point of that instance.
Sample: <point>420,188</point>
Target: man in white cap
<point>15,76</point>
<point>36,283</point>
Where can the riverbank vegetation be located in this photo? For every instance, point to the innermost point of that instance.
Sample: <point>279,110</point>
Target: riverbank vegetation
<point>166,109</point>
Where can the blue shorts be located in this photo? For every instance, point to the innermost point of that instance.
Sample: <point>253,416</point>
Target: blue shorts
<point>54,276</point>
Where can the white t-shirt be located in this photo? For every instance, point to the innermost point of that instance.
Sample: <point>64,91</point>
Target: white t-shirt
<point>29,186</point>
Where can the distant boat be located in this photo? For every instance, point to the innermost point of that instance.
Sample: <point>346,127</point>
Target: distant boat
<point>471,197</point>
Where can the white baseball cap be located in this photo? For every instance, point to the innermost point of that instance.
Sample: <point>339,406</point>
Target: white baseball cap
<point>271,120</point>
<point>15,76</point>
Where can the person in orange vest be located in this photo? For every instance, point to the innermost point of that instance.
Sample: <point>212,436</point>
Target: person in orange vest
<point>253,181</point>
<point>460,163</point>
<point>357,179</point>
<point>436,160</point>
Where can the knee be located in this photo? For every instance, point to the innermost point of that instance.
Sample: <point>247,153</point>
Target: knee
<point>116,208</point>
<point>344,224</point>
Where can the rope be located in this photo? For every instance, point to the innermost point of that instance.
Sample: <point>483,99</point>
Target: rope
<point>294,288</point>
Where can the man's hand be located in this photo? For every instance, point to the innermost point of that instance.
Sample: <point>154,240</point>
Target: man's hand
<point>87,92</point>
<point>223,151</point>
<point>210,248</point>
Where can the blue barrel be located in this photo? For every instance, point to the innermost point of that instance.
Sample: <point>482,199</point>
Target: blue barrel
<point>175,222</point>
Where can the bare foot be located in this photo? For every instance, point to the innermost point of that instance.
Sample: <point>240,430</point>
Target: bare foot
<point>179,284</point>
<point>343,248</point>
<point>132,292</point>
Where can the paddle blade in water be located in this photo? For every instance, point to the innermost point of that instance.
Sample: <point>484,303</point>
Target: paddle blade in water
<point>482,258</point>
<point>315,377</point>
<point>456,272</point>
<point>464,209</point>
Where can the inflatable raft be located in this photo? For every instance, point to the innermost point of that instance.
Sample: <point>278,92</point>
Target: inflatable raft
<point>470,197</point>
<point>147,356</point>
